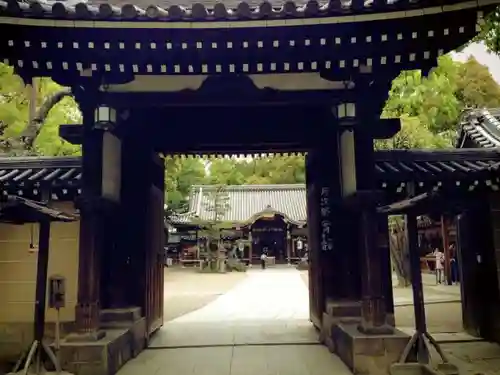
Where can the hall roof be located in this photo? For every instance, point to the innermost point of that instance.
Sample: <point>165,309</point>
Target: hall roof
<point>480,128</point>
<point>246,201</point>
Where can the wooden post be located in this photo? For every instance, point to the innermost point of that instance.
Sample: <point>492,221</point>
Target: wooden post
<point>383,248</point>
<point>87,310</point>
<point>416,282</point>
<point>373,308</point>
<point>446,250</point>
<point>288,245</point>
<point>250,246</point>
<point>41,279</point>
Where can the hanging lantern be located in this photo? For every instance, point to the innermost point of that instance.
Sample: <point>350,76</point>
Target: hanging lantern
<point>104,117</point>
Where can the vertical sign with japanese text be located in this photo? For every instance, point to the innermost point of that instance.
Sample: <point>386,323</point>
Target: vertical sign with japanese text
<point>326,223</point>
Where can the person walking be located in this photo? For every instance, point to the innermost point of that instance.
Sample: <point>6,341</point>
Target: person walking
<point>263,260</point>
<point>454,264</point>
<point>439,265</point>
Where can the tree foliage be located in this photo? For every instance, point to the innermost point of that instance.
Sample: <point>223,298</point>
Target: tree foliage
<point>180,175</point>
<point>15,113</point>
<point>430,107</point>
<point>216,204</point>
<point>490,31</point>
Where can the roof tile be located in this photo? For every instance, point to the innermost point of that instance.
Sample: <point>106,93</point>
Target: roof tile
<point>244,201</point>
<point>481,126</point>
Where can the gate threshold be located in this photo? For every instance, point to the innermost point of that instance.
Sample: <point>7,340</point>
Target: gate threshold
<point>310,343</point>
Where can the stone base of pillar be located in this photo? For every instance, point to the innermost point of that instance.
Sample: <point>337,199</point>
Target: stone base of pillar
<point>368,353</point>
<point>106,356</point>
<point>344,311</point>
<point>120,317</point>
<point>90,336</point>
<point>373,317</point>
<point>338,312</point>
<point>368,329</point>
<point>391,320</point>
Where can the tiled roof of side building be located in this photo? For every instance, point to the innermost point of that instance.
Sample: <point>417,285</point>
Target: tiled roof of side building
<point>479,128</point>
<point>27,175</point>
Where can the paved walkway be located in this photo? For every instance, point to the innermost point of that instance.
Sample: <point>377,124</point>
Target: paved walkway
<point>268,307</point>
<point>261,326</point>
<point>432,293</point>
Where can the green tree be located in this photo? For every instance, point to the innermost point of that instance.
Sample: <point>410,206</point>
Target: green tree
<point>223,172</point>
<point>275,169</point>
<point>180,175</point>
<point>490,31</point>
<point>15,113</point>
<point>431,99</point>
<point>216,203</point>
<point>414,134</point>
<point>429,107</point>
<point>475,87</point>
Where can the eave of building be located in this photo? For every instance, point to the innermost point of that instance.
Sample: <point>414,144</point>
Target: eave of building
<point>270,39</point>
<point>18,210</point>
<point>34,177</point>
<point>249,13</point>
<point>481,127</point>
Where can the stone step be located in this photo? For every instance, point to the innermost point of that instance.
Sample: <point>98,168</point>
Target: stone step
<point>115,318</point>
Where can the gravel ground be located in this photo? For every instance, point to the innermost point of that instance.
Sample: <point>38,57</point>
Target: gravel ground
<point>186,290</point>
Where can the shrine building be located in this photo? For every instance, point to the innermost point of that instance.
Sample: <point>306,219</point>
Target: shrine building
<point>270,218</point>
<point>192,78</point>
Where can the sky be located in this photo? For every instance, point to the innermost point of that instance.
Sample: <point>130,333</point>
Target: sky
<point>478,50</point>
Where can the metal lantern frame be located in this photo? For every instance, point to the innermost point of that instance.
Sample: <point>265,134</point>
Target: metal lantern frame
<point>105,117</point>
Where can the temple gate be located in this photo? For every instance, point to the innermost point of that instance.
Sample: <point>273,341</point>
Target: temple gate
<point>292,77</point>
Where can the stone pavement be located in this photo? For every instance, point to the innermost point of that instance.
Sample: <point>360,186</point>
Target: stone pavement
<point>432,293</point>
<point>261,326</point>
<point>268,307</point>
<point>237,360</point>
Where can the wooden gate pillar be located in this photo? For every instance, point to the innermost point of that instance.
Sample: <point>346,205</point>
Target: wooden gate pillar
<point>141,251</point>
<point>332,271</point>
<point>366,236</point>
<point>373,306</point>
<point>90,205</point>
<point>478,229</point>
<point>376,277</point>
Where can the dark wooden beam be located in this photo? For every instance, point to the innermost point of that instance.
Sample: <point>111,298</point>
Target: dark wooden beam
<point>384,128</point>
<point>406,204</point>
<point>73,133</point>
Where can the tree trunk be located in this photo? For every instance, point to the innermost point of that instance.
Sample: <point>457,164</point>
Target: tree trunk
<point>33,128</point>
<point>399,254</point>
